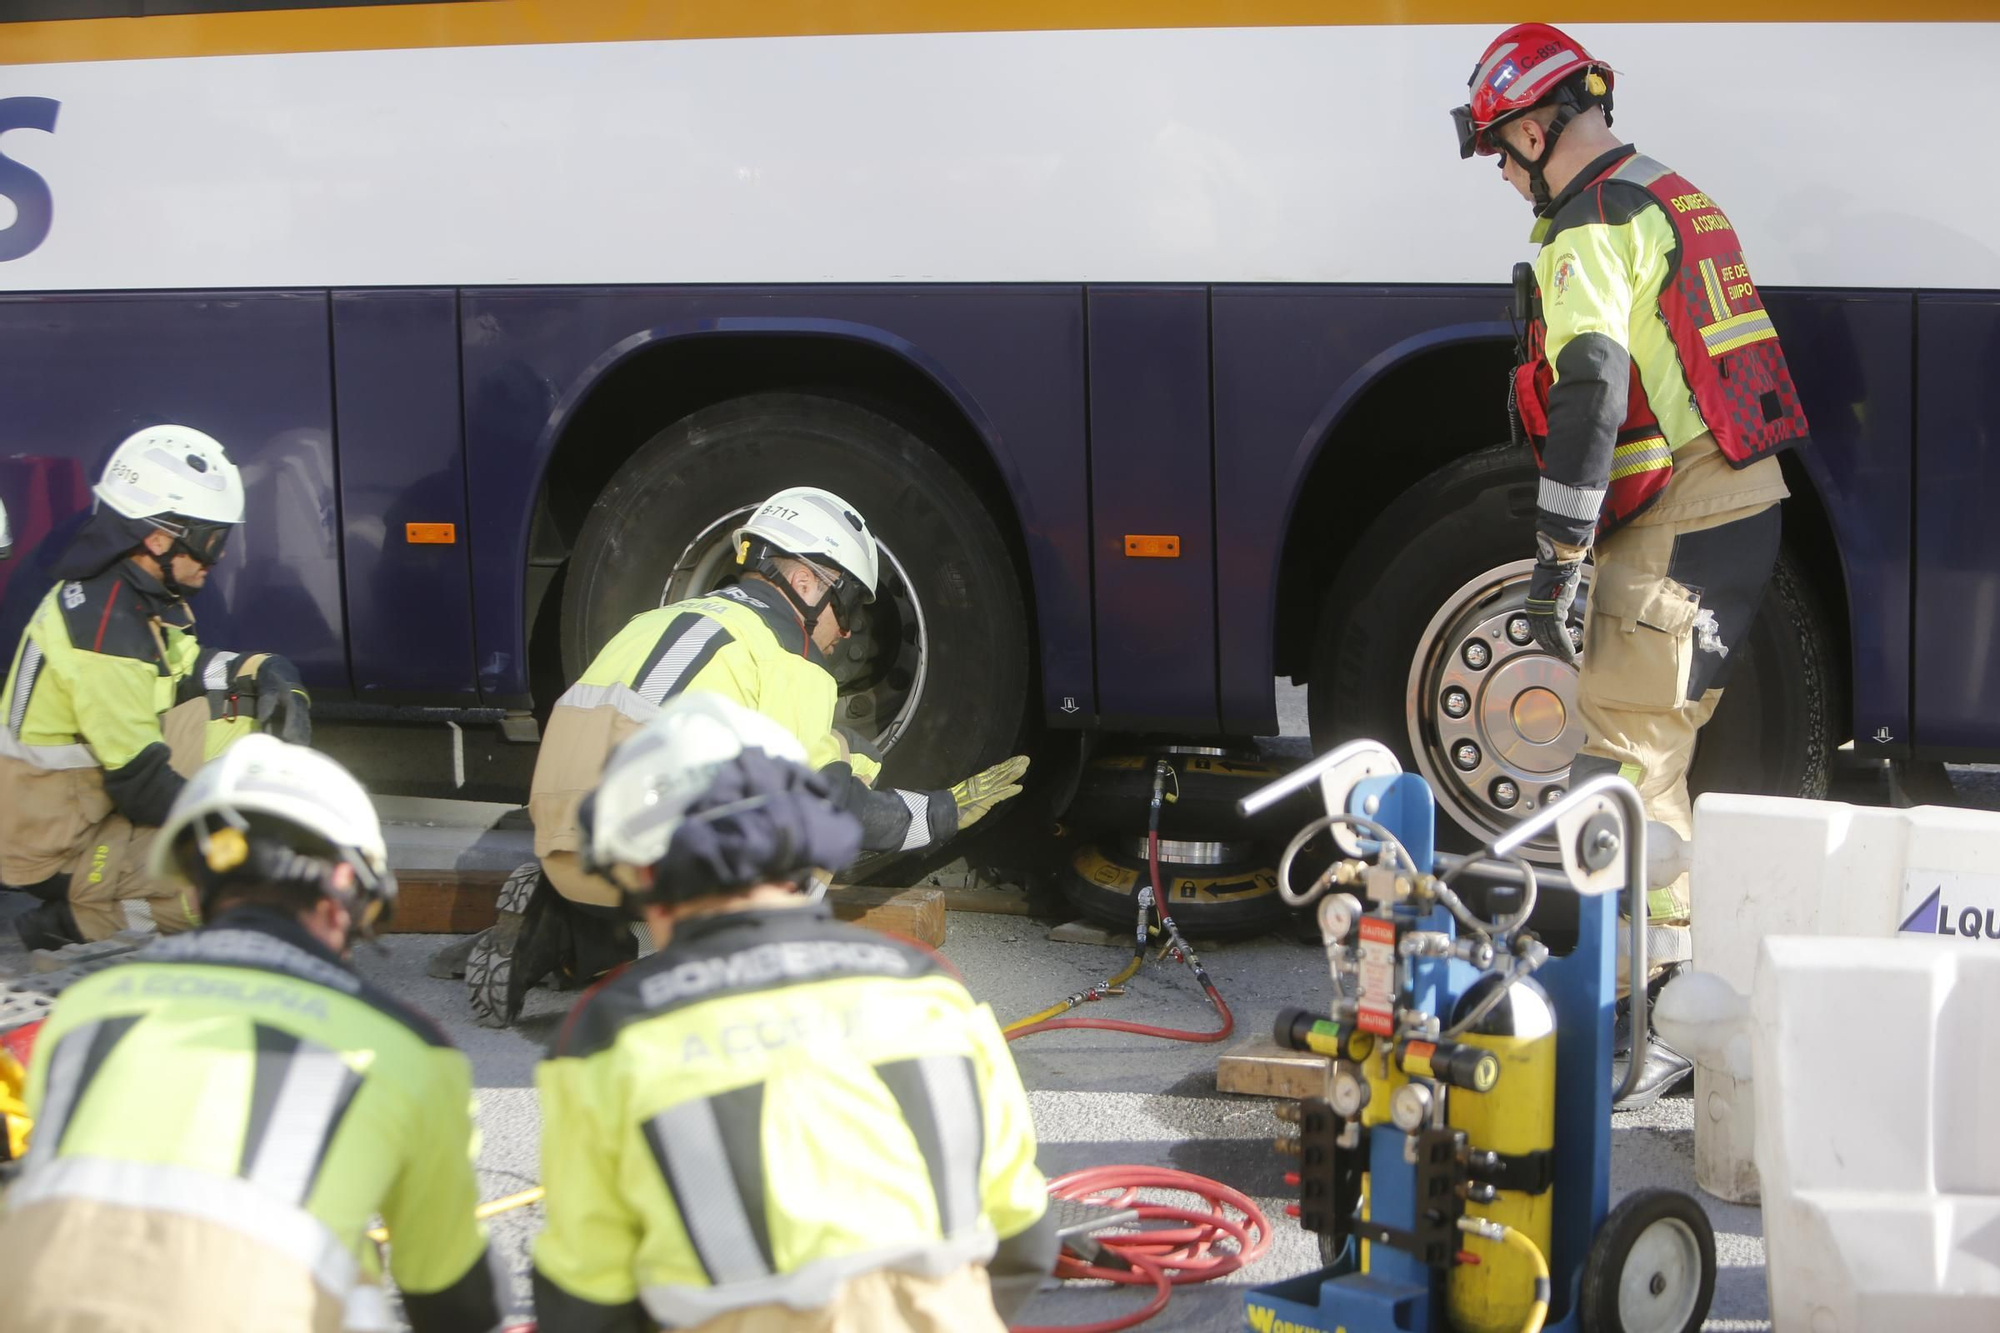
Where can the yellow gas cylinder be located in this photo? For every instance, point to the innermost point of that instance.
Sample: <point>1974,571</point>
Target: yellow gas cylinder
<point>1517,1120</point>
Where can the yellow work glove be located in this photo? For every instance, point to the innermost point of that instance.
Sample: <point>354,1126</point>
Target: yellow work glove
<point>979,793</point>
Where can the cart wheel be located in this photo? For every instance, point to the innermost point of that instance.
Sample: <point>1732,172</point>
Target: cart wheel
<point>1651,1267</point>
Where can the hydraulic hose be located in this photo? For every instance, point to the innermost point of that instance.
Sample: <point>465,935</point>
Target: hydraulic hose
<point>1506,1235</point>
<point>1159,1257</point>
<point>1045,1020</point>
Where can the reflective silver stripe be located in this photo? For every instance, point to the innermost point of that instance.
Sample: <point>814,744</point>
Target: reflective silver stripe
<point>47,756</point>
<point>1640,170</point>
<point>660,682</point>
<point>1640,458</point>
<point>919,832</point>
<point>811,1286</point>
<point>689,1145</point>
<point>139,914</point>
<point>24,685</point>
<point>65,1082</point>
<point>1756,324</point>
<point>619,696</point>
<point>1569,501</point>
<point>216,675</point>
<point>948,1082</point>
<point>227,1201</point>
<point>316,1085</point>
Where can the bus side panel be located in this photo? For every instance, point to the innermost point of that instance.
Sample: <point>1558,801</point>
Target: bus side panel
<point>1956,663</point>
<point>402,462</point>
<point>1288,361</point>
<point>1849,354</point>
<point>1150,477</point>
<point>79,373</point>
<point>1011,356</point>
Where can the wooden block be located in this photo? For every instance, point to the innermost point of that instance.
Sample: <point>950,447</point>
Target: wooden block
<point>445,902</point>
<point>1262,1068</point>
<point>917,913</point>
<point>1001,902</point>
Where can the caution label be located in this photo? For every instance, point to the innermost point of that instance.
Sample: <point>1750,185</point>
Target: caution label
<point>1378,977</point>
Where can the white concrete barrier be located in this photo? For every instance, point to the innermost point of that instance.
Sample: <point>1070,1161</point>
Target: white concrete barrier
<point>1876,1088</point>
<point>1766,865</point>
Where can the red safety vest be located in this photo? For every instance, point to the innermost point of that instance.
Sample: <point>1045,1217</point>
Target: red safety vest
<point>1728,351</point>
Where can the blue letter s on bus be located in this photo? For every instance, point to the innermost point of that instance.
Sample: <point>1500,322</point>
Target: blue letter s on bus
<point>25,189</point>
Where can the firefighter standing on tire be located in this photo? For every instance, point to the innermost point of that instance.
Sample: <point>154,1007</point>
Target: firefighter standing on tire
<point>1656,397</point>
<point>808,565</point>
<point>112,704</point>
<point>218,1120</point>
<point>778,1120</point>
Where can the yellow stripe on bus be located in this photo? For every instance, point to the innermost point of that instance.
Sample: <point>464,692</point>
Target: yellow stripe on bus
<point>534,22</point>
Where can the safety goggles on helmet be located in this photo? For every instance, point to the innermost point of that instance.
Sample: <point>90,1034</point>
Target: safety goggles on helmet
<point>1471,139</point>
<point>845,593</point>
<point>202,541</point>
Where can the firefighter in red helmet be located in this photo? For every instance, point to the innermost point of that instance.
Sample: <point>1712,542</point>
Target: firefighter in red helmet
<point>1655,396</point>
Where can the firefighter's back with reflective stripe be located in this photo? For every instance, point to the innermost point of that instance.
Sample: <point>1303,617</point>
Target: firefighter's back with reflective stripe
<point>772,1106</point>
<point>216,1124</point>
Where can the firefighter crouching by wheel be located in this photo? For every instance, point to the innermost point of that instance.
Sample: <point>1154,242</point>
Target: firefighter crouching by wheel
<point>808,566</point>
<point>778,1120</point>
<point>217,1120</point>
<point>112,704</point>
<point>1656,397</point>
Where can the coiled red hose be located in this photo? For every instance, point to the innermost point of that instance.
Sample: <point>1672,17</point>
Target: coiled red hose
<point>1160,1257</point>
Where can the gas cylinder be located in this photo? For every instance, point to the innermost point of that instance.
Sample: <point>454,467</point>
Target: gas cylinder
<point>1515,1119</point>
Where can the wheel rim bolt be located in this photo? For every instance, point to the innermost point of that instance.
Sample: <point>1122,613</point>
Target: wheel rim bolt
<point>1457,703</point>
<point>1518,631</point>
<point>1466,755</point>
<point>1552,795</point>
<point>1477,654</point>
<point>1505,794</point>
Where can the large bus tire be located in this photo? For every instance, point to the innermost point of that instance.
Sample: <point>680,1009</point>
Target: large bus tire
<point>939,677</point>
<point>1446,563</point>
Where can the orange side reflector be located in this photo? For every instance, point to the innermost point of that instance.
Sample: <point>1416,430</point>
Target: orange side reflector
<point>430,534</point>
<point>1155,548</point>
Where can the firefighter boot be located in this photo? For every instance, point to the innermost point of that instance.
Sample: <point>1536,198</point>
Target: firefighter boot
<point>1663,1066</point>
<point>489,964</point>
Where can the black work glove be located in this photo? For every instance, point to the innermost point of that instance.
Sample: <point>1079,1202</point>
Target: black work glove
<point>1551,594</point>
<point>284,709</point>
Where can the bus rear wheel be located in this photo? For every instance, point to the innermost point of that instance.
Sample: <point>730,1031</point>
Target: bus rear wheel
<point>937,678</point>
<point>1421,645</point>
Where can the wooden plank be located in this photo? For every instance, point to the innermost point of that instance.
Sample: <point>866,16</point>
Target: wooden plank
<point>445,902</point>
<point>999,902</point>
<point>453,902</point>
<point>1262,1068</point>
<point>917,913</point>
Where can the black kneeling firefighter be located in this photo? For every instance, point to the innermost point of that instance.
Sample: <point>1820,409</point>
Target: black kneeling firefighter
<point>112,703</point>
<point>808,565</point>
<point>1656,398</point>
<point>778,1118</point>
<point>218,1120</point>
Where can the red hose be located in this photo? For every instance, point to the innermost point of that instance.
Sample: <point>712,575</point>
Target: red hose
<point>1146,1029</point>
<point>1160,1257</point>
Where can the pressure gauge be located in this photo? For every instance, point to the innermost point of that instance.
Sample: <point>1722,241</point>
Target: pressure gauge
<point>1410,1107</point>
<point>1337,913</point>
<point>1348,1091</point>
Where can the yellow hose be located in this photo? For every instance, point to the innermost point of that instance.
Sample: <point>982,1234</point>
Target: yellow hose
<point>1540,1309</point>
<point>504,1204</point>
<point>1064,1006</point>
